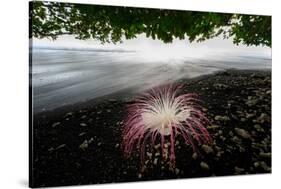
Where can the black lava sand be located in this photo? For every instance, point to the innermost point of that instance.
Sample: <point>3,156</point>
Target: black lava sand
<point>79,144</point>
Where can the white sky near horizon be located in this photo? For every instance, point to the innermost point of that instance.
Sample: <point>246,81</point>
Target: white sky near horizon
<point>159,50</point>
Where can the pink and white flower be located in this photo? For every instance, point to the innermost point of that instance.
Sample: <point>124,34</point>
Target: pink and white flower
<point>162,113</point>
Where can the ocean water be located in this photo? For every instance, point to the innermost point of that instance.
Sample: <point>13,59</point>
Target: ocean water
<point>67,76</point>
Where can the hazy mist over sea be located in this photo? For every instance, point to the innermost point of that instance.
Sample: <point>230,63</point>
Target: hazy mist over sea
<point>68,71</point>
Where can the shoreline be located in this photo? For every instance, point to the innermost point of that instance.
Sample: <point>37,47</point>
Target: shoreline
<point>80,144</point>
<point>127,94</point>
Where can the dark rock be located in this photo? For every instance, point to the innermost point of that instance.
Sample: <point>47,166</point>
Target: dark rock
<point>265,155</point>
<point>204,165</point>
<point>238,170</point>
<point>257,127</point>
<point>157,154</point>
<point>112,100</point>
<point>241,149</point>
<point>51,149</point>
<point>213,127</point>
<point>155,161</point>
<point>194,156</point>
<point>84,117</point>
<point>230,133</point>
<point>264,166</point>
<point>207,149</point>
<point>249,116</point>
<point>83,124</point>
<point>251,102</point>
<point>220,86</point>
<point>56,124</point>
<point>263,118</point>
<point>69,114</point>
<point>157,146</point>
<point>242,133</point>
<point>243,119</point>
<point>91,140</point>
<point>236,139</point>
<point>82,134</point>
<point>60,146</point>
<point>222,118</point>
<point>149,155</point>
<point>84,145</point>
<point>256,164</point>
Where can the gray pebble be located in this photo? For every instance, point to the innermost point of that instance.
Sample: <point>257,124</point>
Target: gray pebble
<point>204,165</point>
<point>83,124</point>
<point>207,149</point>
<point>242,133</point>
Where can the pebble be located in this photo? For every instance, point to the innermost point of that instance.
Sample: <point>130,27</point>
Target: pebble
<point>81,134</point>
<point>251,102</point>
<point>155,161</point>
<point>243,119</point>
<point>265,155</point>
<point>222,118</point>
<point>69,114</point>
<point>222,138</point>
<point>241,149</point>
<point>83,124</point>
<point>265,166</point>
<point>248,116</point>
<point>256,164</point>
<point>112,100</point>
<point>84,145</point>
<point>60,146</point>
<point>213,127</point>
<point>236,139</point>
<point>194,156</point>
<point>56,124</point>
<point>204,166</point>
<point>207,149</point>
<point>91,140</point>
<point>238,170</point>
<point>51,149</point>
<point>149,155</point>
<point>220,86</point>
<point>257,127</point>
<point>83,117</point>
<point>219,154</point>
<point>242,133</point>
<point>262,118</point>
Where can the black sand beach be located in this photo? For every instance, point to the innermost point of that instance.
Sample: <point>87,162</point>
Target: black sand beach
<point>80,144</point>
